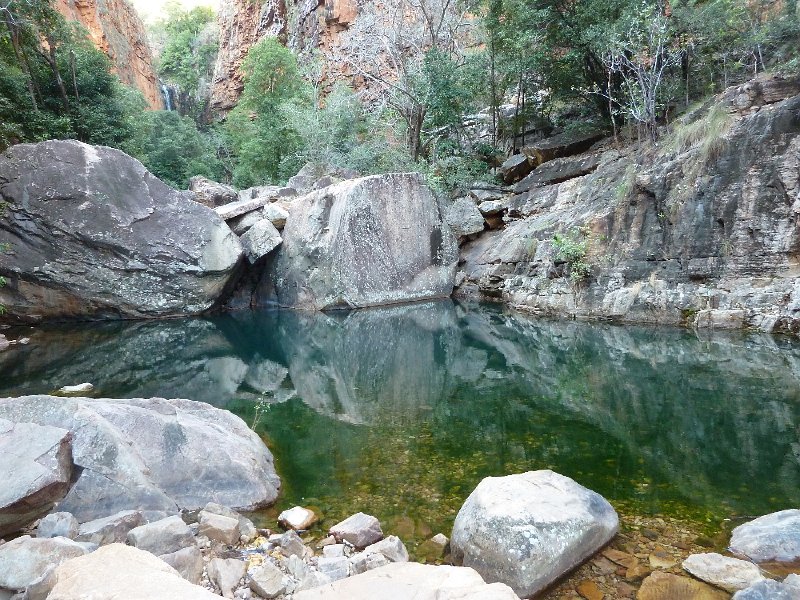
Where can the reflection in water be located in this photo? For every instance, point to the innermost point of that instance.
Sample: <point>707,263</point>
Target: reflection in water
<point>401,411</point>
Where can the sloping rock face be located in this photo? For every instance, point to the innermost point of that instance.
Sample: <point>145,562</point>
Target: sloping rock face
<point>115,28</point>
<point>92,234</point>
<point>35,471</point>
<point>364,242</point>
<point>153,454</point>
<point>527,530</point>
<point>705,236</point>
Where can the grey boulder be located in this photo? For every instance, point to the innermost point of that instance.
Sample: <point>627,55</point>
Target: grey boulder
<point>93,234</point>
<point>25,559</point>
<point>210,193</point>
<point>111,529</point>
<point>411,581</point>
<point>261,239</point>
<point>35,471</point>
<point>730,574</point>
<point>58,524</point>
<point>154,454</point>
<point>527,530</point>
<point>773,537</point>
<point>464,217</point>
<point>768,590</point>
<point>364,242</point>
<point>119,571</point>
<point>359,530</point>
<point>162,537</point>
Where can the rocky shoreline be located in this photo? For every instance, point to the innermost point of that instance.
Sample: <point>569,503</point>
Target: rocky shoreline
<point>530,535</point>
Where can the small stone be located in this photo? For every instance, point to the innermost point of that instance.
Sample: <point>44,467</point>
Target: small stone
<point>728,573</point>
<point>590,591</point>
<point>619,557</point>
<point>267,581</point>
<point>311,580</point>
<point>326,541</point>
<point>491,208</point>
<point>661,560</point>
<point>58,524</point>
<point>361,563</point>
<point>225,573</point>
<point>335,567</point>
<point>297,518</point>
<point>391,547</point>
<point>4,343</point>
<point>219,528</point>
<point>243,594</point>
<point>650,534</point>
<point>24,341</point>
<point>291,544</point>
<point>625,590</point>
<point>333,550</point>
<point>297,567</point>
<point>360,530</point>
<point>276,215</point>
<point>604,566</point>
<point>637,571</point>
<point>81,388</point>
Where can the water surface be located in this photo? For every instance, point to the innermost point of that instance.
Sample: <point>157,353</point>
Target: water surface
<point>401,411</point>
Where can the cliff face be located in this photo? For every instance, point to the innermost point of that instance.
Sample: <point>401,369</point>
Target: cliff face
<point>116,29</point>
<point>348,34</point>
<point>702,231</point>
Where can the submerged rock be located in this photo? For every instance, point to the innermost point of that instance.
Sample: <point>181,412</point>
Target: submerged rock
<point>773,537</point>
<point>154,454</point>
<point>93,234</point>
<point>297,518</point>
<point>364,242</point>
<point>527,530</point>
<point>35,471</point>
<point>666,586</point>
<point>411,581</point>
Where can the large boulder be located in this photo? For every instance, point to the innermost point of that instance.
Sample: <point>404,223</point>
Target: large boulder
<point>119,571</point>
<point>26,559</point>
<point>527,530</point>
<point>153,454</point>
<point>773,537</point>
<point>364,242</point>
<point>93,234</point>
<point>411,581</point>
<point>35,471</point>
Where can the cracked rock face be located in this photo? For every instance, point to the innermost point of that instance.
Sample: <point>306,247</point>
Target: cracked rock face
<point>92,234</point>
<point>363,242</point>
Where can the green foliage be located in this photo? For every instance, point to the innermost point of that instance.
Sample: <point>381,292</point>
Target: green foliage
<point>173,149</point>
<point>54,83</point>
<point>262,141</point>
<point>187,58</point>
<point>571,249</point>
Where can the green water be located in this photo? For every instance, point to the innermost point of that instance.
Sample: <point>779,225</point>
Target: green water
<point>399,412</point>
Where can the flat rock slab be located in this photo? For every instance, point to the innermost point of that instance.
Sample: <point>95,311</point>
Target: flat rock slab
<point>241,207</point>
<point>411,581</point>
<point>364,242</point>
<point>25,559</point>
<point>94,234</point>
<point>665,586</point>
<point>562,145</point>
<point>117,571</point>
<point>162,537</point>
<point>728,573</point>
<point>111,529</point>
<point>527,530</point>
<point>773,537</point>
<point>35,471</point>
<point>154,454</point>
<point>558,170</point>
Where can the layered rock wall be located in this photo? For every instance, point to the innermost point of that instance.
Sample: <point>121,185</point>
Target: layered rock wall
<point>115,28</point>
<point>702,230</point>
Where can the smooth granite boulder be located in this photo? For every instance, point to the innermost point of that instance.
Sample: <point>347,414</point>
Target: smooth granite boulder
<point>153,454</point>
<point>773,537</point>
<point>93,234</point>
<point>363,242</point>
<point>118,571</point>
<point>35,471</point>
<point>411,581</point>
<point>527,530</point>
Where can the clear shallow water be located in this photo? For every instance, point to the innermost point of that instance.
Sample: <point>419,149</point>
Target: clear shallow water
<point>401,411</point>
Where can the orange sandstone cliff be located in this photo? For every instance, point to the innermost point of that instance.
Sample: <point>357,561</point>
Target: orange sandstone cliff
<point>115,28</point>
